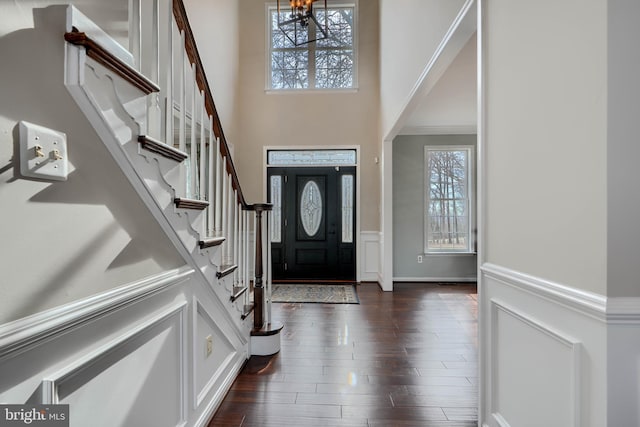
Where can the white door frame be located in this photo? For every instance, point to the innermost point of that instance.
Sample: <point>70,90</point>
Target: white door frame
<point>357,236</point>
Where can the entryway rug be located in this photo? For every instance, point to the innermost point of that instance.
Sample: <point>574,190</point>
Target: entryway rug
<point>314,293</point>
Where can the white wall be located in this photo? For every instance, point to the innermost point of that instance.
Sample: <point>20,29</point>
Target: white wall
<point>111,16</point>
<point>62,240</point>
<point>216,29</point>
<point>623,151</point>
<point>452,103</point>
<point>559,290</point>
<point>410,32</point>
<point>623,210</point>
<point>308,119</point>
<point>546,140</point>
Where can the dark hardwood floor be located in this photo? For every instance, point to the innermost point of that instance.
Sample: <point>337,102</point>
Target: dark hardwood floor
<point>406,358</point>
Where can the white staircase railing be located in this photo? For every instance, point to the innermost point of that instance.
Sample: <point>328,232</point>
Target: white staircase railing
<point>183,114</point>
<point>180,122</point>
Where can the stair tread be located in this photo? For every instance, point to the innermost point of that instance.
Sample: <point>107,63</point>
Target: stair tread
<point>210,242</point>
<point>184,203</point>
<point>159,147</point>
<point>238,291</point>
<point>247,309</point>
<point>268,329</point>
<point>226,270</point>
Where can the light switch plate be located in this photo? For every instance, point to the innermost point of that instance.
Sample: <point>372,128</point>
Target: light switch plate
<point>43,152</point>
<point>209,348</point>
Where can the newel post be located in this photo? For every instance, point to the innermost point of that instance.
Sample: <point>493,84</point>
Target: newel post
<point>258,291</point>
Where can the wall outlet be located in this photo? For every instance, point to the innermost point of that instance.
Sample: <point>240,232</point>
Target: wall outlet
<point>419,259</point>
<point>209,346</point>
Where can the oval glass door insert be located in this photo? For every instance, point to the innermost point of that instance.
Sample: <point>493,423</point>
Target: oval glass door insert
<point>311,208</point>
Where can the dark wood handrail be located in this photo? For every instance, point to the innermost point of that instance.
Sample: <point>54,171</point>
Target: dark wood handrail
<point>180,15</point>
<point>103,56</point>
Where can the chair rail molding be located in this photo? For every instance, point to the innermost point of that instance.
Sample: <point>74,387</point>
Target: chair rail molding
<point>23,334</point>
<point>588,303</point>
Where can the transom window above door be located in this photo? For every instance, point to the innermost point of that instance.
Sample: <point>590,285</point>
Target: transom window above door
<point>326,64</point>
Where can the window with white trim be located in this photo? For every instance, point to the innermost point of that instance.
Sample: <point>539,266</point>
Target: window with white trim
<point>448,209</point>
<point>324,64</point>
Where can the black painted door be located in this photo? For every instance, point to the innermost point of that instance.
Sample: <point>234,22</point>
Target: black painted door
<point>316,223</point>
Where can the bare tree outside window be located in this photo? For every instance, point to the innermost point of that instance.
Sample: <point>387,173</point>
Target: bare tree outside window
<point>325,64</point>
<point>447,222</point>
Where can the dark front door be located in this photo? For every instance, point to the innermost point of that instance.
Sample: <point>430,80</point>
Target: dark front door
<point>313,223</point>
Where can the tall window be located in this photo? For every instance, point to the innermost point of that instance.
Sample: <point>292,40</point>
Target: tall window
<point>448,199</point>
<point>323,64</point>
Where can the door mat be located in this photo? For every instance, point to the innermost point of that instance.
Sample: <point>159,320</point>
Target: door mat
<point>308,293</point>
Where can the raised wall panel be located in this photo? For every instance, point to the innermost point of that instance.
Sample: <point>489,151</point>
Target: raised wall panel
<point>136,379</point>
<point>370,255</point>
<point>535,372</point>
<point>209,369</point>
<point>543,352</point>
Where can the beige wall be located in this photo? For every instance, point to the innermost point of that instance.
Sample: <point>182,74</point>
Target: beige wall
<point>546,140</point>
<point>307,119</point>
<point>215,28</point>
<point>61,241</point>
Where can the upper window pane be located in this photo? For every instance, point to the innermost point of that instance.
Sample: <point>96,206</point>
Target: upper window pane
<point>340,23</point>
<point>324,64</point>
<point>289,69</point>
<point>334,69</point>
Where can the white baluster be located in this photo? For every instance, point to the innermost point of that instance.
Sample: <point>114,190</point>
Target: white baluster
<point>223,195</point>
<point>154,112</point>
<point>243,232</point>
<point>170,70</point>
<point>236,226</point>
<point>230,206</point>
<point>182,144</point>
<point>203,149</point>
<point>194,146</point>
<point>135,29</point>
<point>253,247</point>
<point>246,249</point>
<point>219,187</point>
<point>210,187</point>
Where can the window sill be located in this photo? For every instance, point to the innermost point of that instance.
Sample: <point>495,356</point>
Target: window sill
<point>449,253</point>
<point>310,91</point>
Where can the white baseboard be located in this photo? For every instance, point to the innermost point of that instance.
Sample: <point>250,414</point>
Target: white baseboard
<point>435,279</point>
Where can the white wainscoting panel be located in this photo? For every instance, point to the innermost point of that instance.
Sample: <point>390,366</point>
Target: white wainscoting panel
<point>623,361</point>
<point>528,356</point>
<point>136,379</point>
<point>209,370</point>
<point>369,256</point>
<point>543,352</point>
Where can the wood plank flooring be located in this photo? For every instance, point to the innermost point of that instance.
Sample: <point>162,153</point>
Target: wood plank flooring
<point>404,359</point>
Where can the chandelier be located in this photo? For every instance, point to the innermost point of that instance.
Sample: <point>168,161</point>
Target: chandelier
<point>303,23</point>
